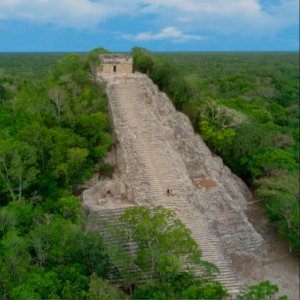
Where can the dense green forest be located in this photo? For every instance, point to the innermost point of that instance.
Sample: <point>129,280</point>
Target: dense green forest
<point>29,64</point>
<point>54,128</point>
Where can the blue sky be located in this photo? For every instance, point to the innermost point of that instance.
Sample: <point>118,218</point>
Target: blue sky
<point>159,25</point>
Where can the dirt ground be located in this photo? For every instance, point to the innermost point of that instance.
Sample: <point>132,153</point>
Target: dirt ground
<point>274,262</point>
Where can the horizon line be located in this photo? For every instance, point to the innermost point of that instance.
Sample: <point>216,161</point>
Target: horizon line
<point>172,51</point>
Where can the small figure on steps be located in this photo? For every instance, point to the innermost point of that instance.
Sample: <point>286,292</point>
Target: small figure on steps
<point>168,192</point>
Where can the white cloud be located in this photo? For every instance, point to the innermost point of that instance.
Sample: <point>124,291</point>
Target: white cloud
<point>66,13</point>
<point>169,33</point>
<point>241,17</point>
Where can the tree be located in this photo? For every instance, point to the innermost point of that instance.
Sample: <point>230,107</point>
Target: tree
<point>67,156</point>
<point>284,206</point>
<point>262,115</point>
<point>76,157</point>
<point>179,87</point>
<point>279,181</point>
<point>265,290</point>
<point>145,64</point>
<point>281,196</point>
<point>181,286</point>
<point>38,286</point>
<point>161,73</point>
<point>69,208</point>
<point>283,141</point>
<point>265,91</point>
<point>100,50</point>
<point>14,251</point>
<point>76,67</point>
<point>139,51</point>
<point>154,290</point>
<point>294,231</point>
<point>219,139</point>
<point>59,97</point>
<point>93,127</point>
<point>221,117</point>
<point>52,240</point>
<point>101,289</point>
<point>94,63</point>
<point>288,227</point>
<point>213,290</point>
<point>3,93</point>
<point>265,161</point>
<point>38,136</point>
<point>8,219</point>
<point>88,222</point>
<point>40,240</point>
<point>17,166</point>
<point>90,251</point>
<point>7,280</point>
<point>164,243</point>
<point>72,291</point>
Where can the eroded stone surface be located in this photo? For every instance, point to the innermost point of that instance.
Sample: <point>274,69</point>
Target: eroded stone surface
<point>156,149</point>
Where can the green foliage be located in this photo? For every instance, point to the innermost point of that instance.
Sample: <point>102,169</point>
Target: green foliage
<point>17,166</point>
<point>101,289</point>
<point>69,208</point>
<point>100,50</point>
<point>75,66</point>
<point>281,199</point>
<point>153,290</point>
<point>161,73</point>
<point>265,161</point>
<point>90,251</point>
<point>8,220</point>
<point>265,290</point>
<point>71,291</point>
<point>219,139</point>
<point>38,286</point>
<point>53,131</point>
<point>3,93</point>
<point>29,64</point>
<point>140,51</point>
<point>262,115</point>
<point>36,245</point>
<point>144,64</point>
<point>181,286</point>
<point>209,291</point>
<point>164,245</point>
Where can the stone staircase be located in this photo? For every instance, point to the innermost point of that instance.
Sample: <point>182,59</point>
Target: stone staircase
<point>156,149</point>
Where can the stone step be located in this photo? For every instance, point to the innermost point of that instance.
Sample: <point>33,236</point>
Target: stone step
<point>144,142</point>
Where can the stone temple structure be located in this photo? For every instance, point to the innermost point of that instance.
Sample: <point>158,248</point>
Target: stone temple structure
<point>116,64</point>
<point>162,161</point>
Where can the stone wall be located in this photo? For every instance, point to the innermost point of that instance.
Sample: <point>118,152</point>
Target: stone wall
<point>116,64</point>
<point>119,69</point>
